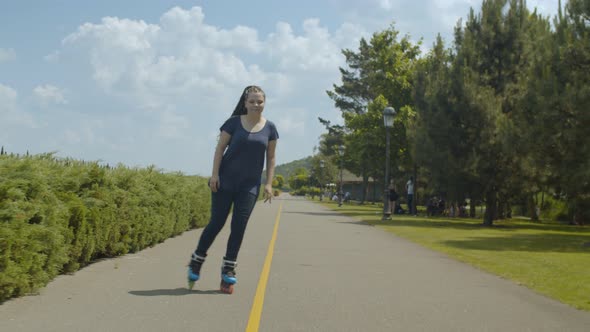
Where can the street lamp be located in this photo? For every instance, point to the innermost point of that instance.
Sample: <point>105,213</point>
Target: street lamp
<point>341,154</point>
<point>388,115</point>
<point>320,179</point>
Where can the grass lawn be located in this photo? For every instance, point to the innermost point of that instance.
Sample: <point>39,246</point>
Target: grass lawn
<point>549,258</point>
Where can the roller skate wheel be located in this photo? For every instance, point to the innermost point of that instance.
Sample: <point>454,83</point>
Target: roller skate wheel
<point>227,288</point>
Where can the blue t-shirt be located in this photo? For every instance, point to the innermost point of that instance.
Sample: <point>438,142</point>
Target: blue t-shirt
<point>243,160</point>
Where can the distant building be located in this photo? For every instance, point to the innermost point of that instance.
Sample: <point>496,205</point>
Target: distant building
<point>354,185</point>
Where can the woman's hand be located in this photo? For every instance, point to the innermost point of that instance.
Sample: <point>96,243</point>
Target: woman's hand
<point>214,183</point>
<point>268,193</point>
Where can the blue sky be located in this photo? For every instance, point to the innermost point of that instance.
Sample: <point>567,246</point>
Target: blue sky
<point>150,82</point>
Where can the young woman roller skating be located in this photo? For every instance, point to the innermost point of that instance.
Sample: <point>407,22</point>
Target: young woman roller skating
<point>246,139</point>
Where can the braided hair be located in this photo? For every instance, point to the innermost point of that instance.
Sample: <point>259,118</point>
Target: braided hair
<point>241,106</point>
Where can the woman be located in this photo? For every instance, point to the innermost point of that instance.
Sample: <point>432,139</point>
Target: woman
<point>236,180</point>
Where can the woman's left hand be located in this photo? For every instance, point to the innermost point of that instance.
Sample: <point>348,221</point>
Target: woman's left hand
<point>268,194</point>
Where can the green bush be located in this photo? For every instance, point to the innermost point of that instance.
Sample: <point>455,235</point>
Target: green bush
<point>57,215</point>
<point>555,209</point>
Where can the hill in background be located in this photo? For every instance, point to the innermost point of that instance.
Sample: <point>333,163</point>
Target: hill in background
<point>288,169</point>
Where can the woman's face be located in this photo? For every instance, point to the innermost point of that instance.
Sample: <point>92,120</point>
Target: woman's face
<point>255,102</point>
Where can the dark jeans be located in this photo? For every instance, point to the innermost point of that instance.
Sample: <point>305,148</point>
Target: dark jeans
<point>221,203</point>
<point>410,204</point>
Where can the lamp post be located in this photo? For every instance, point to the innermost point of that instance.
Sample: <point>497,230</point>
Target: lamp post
<point>388,115</point>
<point>341,154</point>
<point>320,179</point>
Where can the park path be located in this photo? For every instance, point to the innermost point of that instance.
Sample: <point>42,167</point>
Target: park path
<point>328,272</point>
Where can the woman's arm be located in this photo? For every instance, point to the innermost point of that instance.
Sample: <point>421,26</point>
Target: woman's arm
<point>224,138</point>
<point>270,169</point>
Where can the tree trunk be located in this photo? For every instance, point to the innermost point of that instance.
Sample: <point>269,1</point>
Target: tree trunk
<point>415,200</point>
<point>533,209</point>
<point>491,202</point>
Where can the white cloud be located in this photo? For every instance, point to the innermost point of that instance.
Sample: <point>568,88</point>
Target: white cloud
<point>348,35</point>
<point>8,108</point>
<point>545,7</point>
<point>291,123</point>
<point>48,94</point>
<point>189,26</point>
<point>315,50</point>
<point>71,137</point>
<point>172,125</point>
<point>7,54</point>
<point>10,112</point>
<point>83,132</point>
<point>184,61</point>
<point>150,63</point>
<point>7,97</point>
<point>179,78</point>
<point>385,4</point>
<point>52,57</point>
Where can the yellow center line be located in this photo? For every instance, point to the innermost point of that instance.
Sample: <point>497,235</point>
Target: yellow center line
<point>256,312</point>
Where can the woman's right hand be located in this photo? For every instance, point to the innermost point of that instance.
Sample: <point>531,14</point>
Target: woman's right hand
<point>214,183</point>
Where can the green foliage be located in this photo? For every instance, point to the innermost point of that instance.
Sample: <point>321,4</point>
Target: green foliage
<point>278,182</point>
<point>59,215</point>
<point>299,179</point>
<point>313,192</point>
<point>379,74</point>
<point>497,118</point>
<point>307,191</point>
<point>503,115</point>
<point>289,169</point>
<point>323,170</point>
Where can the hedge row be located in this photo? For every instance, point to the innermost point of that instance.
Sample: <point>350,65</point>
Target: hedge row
<point>57,215</point>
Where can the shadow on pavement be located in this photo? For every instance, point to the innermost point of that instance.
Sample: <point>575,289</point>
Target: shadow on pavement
<point>329,214</point>
<point>173,292</point>
<point>356,222</point>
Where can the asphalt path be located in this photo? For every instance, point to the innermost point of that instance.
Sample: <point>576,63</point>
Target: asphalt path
<point>326,272</point>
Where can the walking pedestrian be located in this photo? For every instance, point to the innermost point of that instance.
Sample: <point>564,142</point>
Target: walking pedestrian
<point>410,191</point>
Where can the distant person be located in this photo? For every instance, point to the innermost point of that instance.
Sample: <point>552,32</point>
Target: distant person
<point>347,196</point>
<point>393,197</point>
<point>236,180</point>
<point>410,191</point>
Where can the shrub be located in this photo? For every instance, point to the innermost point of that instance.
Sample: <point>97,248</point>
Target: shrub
<point>57,215</point>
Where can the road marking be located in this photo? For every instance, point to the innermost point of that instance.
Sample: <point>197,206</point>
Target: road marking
<point>256,312</point>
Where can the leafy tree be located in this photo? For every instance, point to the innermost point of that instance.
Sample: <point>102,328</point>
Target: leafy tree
<point>556,102</point>
<point>442,139</point>
<point>299,179</point>
<point>280,181</point>
<point>378,75</point>
<point>488,56</point>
